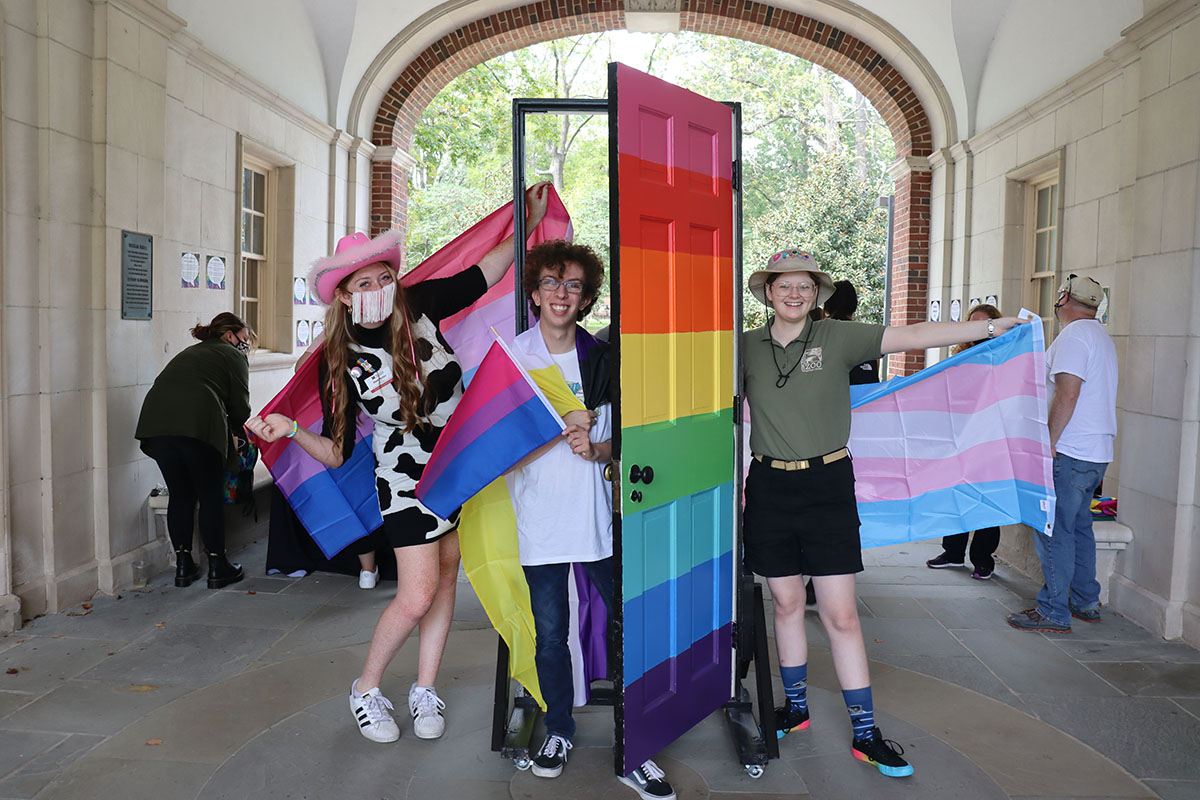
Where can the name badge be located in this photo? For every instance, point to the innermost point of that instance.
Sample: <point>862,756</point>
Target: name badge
<point>378,379</point>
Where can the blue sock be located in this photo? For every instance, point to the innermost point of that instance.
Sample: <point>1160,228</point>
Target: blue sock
<point>862,710</point>
<point>795,685</point>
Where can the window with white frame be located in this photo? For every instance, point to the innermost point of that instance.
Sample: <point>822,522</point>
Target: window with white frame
<point>254,277</point>
<point>1042,247</point>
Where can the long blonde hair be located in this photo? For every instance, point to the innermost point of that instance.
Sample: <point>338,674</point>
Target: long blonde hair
<point>987,308</point>
<point>407,376</point>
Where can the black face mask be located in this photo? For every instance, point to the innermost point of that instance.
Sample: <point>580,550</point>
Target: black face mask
<point>243,347</point>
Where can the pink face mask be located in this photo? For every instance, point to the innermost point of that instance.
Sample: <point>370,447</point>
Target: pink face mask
<point>374,306</point>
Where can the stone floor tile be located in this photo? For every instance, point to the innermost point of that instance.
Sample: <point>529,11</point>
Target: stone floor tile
<point>1065,766</point>
<point>43,663</point>
<point>29,779</point>
<point>127,779</point>
<point>11,701</point>
<point>1152,679</point>
<point>323,585</point>
<point>20,748</point>
<point>326,628</point>
<point>108,707</point>
<point>1086,650</point>
<point>1150,737</point>
<point>260,584</point>
<point>895,607</point>
<point>1175,790</point>
<point>241,609</point>
<point>1027,663</point>
<point>924,637</point>
<point>940,773</point>
<point>209,725</point>
<point>1190,705</point>
<point>1112,628</point>
<point>421,788</point>
<point>182,654</point>
<point>968,613</point>
<point>965,671</point>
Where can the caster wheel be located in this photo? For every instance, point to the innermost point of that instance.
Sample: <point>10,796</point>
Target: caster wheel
<point>754,770</point>
<point>522,763</point>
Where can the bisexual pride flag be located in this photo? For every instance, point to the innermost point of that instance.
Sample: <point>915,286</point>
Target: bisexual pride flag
<point>501,418</point>
<point>958,446</point>
<point>338,507</point>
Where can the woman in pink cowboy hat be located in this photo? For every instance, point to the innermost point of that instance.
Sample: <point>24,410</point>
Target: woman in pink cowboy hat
<point>382,339</point>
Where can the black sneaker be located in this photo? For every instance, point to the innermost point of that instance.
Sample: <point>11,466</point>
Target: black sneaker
<point>549,761</point>
<point>943,561</point>
<point>789,718</point>
<point>883,753</point>
<point>1086,614</point>
<point>650,782</point>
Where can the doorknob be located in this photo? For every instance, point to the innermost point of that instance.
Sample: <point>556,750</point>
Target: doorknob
<point>644,474</point>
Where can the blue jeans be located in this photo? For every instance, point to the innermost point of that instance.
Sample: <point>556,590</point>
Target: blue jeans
<point>551,622</point>
<point>1069,555</point>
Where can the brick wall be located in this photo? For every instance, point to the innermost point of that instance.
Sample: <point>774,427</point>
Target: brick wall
<point>805,37</point>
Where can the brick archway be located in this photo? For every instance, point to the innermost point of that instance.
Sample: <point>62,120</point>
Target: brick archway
<point>808,38</point>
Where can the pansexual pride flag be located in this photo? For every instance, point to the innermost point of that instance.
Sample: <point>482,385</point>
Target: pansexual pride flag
<point>958,446</point>
<point>340,506</point>
<point>501,418</point>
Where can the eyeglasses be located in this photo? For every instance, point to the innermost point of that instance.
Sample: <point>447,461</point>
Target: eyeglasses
<point>552,284</point>
<point>784,287</point>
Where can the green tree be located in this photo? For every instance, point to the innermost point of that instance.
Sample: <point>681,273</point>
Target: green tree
<point>834,215</point>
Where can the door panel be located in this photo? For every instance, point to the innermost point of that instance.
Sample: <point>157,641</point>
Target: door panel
<point>675,304</point>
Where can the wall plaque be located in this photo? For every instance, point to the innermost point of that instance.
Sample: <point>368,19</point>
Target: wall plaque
<point>137,275</point>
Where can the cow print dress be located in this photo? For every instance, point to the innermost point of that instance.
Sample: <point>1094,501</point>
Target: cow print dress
<point>400,457</point>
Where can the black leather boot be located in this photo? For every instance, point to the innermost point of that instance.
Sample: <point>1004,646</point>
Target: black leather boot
<point>186,568</point>
<point>221,572</point>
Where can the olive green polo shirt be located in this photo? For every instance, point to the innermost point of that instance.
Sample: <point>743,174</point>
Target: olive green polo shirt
<point>810,414</point>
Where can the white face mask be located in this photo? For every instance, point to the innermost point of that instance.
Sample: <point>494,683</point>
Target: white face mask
<point>368,308</point>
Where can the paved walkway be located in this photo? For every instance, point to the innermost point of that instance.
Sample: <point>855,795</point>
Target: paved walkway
<point>240,693</point>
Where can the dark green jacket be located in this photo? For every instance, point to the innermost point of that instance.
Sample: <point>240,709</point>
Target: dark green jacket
<point>203,393</point>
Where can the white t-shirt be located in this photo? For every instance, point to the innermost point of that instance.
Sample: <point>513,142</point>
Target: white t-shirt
<point>562,502</point>
<point>1084,349</point>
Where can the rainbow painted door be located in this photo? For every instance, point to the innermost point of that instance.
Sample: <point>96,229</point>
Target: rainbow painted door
<point>673,292</point>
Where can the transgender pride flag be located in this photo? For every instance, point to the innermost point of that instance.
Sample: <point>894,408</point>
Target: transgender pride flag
<point>501,418</point>
<point>956,447</point>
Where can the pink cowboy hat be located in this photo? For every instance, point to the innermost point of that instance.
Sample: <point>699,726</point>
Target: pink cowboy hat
<point>352,252</point>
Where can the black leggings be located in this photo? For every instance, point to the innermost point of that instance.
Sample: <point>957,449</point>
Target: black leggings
<point>194,473</point>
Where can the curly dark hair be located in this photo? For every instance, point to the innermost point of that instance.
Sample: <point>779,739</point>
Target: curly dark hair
<point>554,256</point>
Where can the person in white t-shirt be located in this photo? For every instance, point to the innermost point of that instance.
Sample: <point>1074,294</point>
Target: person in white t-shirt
<point>1081,370</point>
<point>563,502</point>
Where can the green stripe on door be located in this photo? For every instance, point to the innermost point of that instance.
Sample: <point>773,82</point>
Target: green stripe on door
<point>688,455</point>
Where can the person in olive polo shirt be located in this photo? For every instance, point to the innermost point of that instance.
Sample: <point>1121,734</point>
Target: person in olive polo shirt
<point>801,517</point>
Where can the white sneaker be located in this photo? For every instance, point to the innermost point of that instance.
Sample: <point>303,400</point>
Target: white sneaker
<point>370,711</point>
<point>426,708</point>
<point>367,580</point>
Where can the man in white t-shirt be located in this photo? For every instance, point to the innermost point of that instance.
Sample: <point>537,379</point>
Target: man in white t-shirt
<point>562,501</point>
<point>1081,370</point>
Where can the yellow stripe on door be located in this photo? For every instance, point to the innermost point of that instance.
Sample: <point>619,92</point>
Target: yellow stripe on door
<point>666,376</point>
